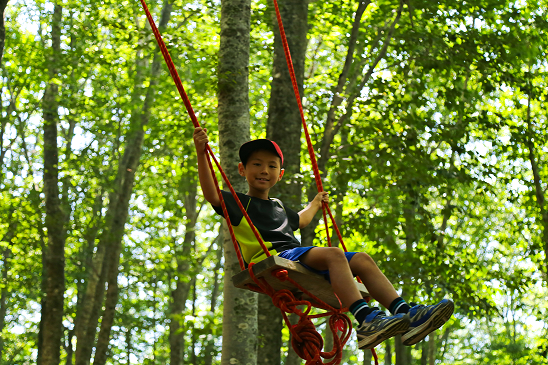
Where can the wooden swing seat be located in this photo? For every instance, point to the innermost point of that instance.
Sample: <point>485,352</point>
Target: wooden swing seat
<point>313,282</point>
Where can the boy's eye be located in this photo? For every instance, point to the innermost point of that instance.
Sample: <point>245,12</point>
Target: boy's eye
<point>272,167</point>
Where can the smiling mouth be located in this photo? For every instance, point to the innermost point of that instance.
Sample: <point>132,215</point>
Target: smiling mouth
<point>261,179</point>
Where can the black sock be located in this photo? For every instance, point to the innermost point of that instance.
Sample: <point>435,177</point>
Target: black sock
<point>399,306</point>
<point>360,310</point>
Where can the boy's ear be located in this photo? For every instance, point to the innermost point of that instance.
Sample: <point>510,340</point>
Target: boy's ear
<point>281,174</point>
<point>241,169</point>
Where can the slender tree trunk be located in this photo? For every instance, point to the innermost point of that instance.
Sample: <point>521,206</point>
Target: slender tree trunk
<point>240,306</point>
<point>539,191</point>
<point>432,348</point>
<point>210,347</point>
<point>444,341</point>
<point>388,352</point>
<point>401,358</point>
<point>424,353</point>
<point>129,346</point>
<point>3,4</point>
<point>52,311</point>
<point>367,357</point>
<point>284,127</point>
<point>6,257</point>
<point>4,295</point>
<point>193,359</point>
<point>180,294</point>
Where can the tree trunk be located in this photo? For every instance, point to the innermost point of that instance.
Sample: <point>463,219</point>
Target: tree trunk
<point>52,310</point>
<point>210,347</point>
<point>6,257</point>
<point>388,352</point>
<point>3,4</point>
<point>432,348</point>
<point>240,306</point>
<point>539,191</point>
<point>4,295</point>
<point>367,357</point>
<point>284,127</point>
<point>180,294</point>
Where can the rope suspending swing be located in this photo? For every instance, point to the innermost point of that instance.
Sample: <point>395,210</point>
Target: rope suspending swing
<point>306,341</point>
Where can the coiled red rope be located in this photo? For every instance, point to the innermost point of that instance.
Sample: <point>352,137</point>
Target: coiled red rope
<point>305,339</point>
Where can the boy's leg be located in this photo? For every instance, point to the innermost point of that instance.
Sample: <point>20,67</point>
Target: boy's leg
<point>374,327</point>
<point>342,280</point>
<point>424,319</point>
<point>380,288</point>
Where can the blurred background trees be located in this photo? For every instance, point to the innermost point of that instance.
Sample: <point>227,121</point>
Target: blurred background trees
<point>430,127</point>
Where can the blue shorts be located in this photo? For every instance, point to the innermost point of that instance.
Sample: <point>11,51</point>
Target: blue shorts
<point>295,253</point>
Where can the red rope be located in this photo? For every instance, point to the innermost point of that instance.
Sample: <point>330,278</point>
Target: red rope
<point>305,339</point>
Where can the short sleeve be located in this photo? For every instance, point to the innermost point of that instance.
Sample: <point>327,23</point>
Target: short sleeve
<point>293,218</point>
<point>232,208</point>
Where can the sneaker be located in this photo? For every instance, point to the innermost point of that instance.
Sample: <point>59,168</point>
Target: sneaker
<point>426,319</point>
<point>377,327</point>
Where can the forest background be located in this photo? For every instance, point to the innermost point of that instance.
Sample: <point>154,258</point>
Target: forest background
<point>429,121</point>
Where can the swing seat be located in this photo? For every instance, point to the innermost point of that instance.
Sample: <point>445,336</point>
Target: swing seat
<point>315,283</point>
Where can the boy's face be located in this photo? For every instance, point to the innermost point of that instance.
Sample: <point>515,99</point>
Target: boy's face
<point>262,171</point>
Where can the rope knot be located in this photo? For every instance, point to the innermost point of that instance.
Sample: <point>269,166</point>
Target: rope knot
<point>306,341</point>
<point>281,274</point>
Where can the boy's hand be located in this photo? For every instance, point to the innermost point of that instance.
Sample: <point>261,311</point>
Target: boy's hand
<point>200,139</point>
<point>321,197</point>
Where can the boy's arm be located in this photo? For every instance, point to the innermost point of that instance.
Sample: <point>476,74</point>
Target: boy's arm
<point>204,174</point>
<point>306,215</point>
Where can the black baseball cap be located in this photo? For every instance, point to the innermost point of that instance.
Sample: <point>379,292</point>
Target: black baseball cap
<point>259,144</point>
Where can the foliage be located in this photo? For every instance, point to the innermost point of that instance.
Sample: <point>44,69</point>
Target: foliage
<point>433,166</point>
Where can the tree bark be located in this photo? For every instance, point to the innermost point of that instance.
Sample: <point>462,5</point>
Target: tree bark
<point>240,306</point>
<point>388,352</point>
<point>53,303</point>
<point>539,191</point>
<point>179,296</point>
<point>424,353</point>
<point>401,355</point>
<point>6,256</point>
<point>4,295</point>
<point>210,347</point>
<point>432,348</point>
<point>367,357</point>
<point>284,127</point>
<point>3,4</point>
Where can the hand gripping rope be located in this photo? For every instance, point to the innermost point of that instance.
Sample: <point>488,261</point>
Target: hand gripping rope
<point>305,339</point>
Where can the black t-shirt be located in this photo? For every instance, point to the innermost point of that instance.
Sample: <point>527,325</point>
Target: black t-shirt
<point>274,222</point>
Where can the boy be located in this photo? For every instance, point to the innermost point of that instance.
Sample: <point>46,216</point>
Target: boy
<point>261,165</point>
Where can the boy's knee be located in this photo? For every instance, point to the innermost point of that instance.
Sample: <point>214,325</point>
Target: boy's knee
<point>335,253</point>
<point>363,257</point>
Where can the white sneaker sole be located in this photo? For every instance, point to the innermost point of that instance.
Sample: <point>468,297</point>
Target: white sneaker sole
<point>395,328</point>
<point>438,319</point>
